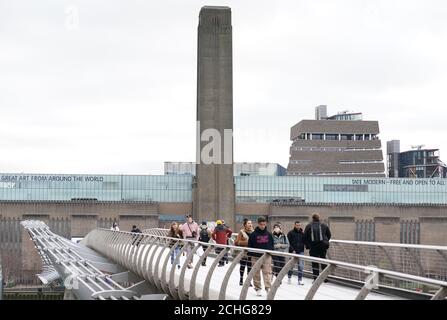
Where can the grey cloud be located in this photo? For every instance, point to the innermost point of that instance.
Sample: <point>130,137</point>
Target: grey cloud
<point>117,95</point>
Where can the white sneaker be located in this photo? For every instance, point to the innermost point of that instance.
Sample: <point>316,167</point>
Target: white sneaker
<point>259,293</point>
<point>289,281</point>
<point>300,283</point>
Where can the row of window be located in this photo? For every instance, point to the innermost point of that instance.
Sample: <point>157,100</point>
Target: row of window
<point>340,161</point>
<point>359,161</point>
<point>334,173</point>
<point>337,136</point>
<point>333,149</point>
<point>255,188</point>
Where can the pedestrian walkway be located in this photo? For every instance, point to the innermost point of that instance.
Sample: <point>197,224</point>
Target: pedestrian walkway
<point>327,291</point>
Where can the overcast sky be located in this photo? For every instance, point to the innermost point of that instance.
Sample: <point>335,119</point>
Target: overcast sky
<point>110,86</point>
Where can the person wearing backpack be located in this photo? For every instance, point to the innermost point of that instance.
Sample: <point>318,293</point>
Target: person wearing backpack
<point>316,238</point>
<point>204,236</point>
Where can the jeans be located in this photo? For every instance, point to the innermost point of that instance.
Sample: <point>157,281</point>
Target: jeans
<point>174,254</point>
<point>300,268</point>
<point>188,250</point>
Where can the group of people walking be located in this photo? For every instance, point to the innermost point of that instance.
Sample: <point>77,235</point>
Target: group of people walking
<point>315,237</point>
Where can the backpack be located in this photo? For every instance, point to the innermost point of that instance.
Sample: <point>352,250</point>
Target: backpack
<point>316,235</point>
<point>204,236</point>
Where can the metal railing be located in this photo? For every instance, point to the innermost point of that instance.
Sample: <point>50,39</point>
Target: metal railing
<point>1,279</point>
<point>420,260</point>
<point>84,273</point>
<point>147,255</point>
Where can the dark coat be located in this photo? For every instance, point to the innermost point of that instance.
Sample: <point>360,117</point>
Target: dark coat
<point>296,240</point>
<point>324,243</point>
<point>260,239</point>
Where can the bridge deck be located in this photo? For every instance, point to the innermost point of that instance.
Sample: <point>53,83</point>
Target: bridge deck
<point>327,291</point>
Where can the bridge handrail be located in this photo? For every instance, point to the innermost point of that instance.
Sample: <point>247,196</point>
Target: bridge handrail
<point>365,243</point>
<point>390,244</point>
<point>346,265</point>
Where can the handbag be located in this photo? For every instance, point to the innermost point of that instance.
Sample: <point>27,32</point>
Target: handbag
<point>193,233</point>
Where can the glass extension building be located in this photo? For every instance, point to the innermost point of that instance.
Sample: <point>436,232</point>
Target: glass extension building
<point>249,189</point>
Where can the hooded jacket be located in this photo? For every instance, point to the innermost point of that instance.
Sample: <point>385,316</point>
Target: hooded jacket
<point>260,239</point>
<point>280,242</point>
<point>221,234</point>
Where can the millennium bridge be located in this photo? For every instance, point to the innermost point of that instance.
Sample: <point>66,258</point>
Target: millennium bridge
<point>121,265</point>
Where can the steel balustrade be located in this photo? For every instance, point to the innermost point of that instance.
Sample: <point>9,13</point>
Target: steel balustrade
<point>421,260</point>
<point>149,258</point>
<point>76,265</point>
<point>147,255</point>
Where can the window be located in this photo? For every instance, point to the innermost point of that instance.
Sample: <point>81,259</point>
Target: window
<point>359,137</point>
<point>345,188</point>
<point>347,137</point>
<point>317,136</point>
<point>331,136</point>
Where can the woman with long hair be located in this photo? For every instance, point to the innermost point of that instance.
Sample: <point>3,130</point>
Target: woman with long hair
<point>242,241</point>
<point>176,234</point>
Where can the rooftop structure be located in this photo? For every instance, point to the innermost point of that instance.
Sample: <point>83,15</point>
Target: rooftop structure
<point>340,145</point>
<point>416,163</point>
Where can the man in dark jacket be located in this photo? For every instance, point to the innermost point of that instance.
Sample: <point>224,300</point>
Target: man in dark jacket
<point>136,238</point>
<point>316,238</point>
<point>260,238</point>
<point>296,241</point>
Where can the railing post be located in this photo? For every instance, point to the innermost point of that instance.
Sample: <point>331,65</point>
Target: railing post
<point>440,294</point>
<point>137,257</point>
<point>255,268</point>
<point>157,279</point>
<point>146,259</point>
<point>192,283</point>
<point>164,283</point>
<point>206,286</point>
<point>150,268</point>
<point>142,259</point>
<point>185,265</point>
<point>371,282</point>
<point>317,283</point>
<point>223,288</point>
<point>289,265</point>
